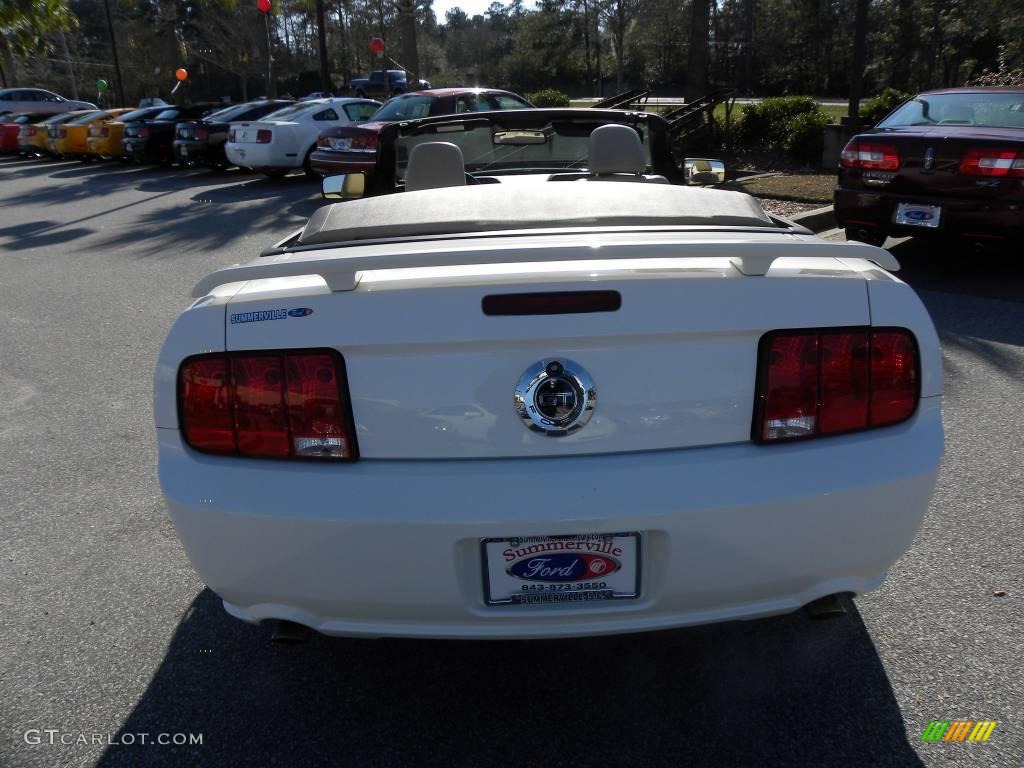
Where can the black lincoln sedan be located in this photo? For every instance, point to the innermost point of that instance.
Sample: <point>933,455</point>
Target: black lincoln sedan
<point>151,140</point>
<point>945,163</point>
<point>202,140</point>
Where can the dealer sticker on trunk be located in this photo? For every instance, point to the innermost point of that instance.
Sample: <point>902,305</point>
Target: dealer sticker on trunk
<point>576,568</point>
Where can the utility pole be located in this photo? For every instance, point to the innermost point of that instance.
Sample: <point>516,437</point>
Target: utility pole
<point>117,64</point>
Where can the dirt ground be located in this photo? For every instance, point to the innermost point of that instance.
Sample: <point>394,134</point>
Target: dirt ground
<point>815,189</point>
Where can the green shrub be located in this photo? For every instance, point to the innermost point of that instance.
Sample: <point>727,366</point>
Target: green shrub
<point>765,125</point>
<point>880,106</point>
<point>549,97</point>
<point>805,137</point>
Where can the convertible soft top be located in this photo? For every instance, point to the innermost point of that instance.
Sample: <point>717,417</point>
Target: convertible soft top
<point>497,207</point>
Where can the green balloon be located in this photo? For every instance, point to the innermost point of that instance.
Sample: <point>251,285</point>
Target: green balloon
<point>102,85</point>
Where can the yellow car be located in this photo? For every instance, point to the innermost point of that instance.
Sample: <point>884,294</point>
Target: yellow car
<point>105,138</point>
<point>34,139</point>
<point>70,140</point>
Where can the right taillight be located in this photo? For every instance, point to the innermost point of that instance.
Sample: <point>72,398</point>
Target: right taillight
<point>992,161</point>
<point>812,383</point>
<point>870,156</point>
<point>264,135</point>
<point>267,404</point>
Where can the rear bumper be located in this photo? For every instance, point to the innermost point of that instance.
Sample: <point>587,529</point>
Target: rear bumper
<point>259,156</point>
<point>985,218</point>
<point>327,163</point>
<point>191,151</point>
<point>391,548</point>
<point>135,149</point>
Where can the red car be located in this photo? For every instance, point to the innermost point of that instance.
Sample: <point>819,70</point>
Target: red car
<point>947,162</point>
<point>354,148</point>
<point>10,127</point>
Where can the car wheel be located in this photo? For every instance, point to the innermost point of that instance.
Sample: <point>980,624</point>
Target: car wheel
<point>307,165</point>
<point>361,93</point>
<point>864,235</point>
<point>276,173</point>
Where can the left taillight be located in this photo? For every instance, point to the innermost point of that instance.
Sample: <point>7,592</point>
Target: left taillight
<point>286,405</point>
<point>870,156</point>
<point>812,383</point>
<point>231,135</point>
<point>993,161</point>
<point>202,134</point>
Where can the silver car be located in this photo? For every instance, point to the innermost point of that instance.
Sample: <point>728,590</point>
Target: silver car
<point>38,101</point>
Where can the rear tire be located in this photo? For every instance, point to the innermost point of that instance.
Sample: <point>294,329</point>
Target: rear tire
<point>307,165</point>
<point>864,235</point>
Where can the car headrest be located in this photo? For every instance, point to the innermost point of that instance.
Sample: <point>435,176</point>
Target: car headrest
<point>433,165</point>
<point>616,149</point>
<point>956,113</point>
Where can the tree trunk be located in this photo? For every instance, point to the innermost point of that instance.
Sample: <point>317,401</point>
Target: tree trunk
<point>697,56</point>
<point>321,33</point>
<point>860,35</point>
<point>619,40</point>
<point>410,54</point>
<point>748,48</point>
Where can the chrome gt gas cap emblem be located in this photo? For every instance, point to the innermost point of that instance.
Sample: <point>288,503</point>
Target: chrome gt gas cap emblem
<point>555,397</point>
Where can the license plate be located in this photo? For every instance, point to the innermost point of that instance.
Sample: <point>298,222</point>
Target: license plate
<point>340,144</point>
<point>561,569</point>
<point>184,152</point>
<point>914,215</point>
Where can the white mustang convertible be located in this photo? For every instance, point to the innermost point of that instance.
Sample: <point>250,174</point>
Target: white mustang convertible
<point>547,404</point>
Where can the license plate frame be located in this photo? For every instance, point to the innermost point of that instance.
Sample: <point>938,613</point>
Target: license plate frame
<point>918,215</point>
<point>623,583</point>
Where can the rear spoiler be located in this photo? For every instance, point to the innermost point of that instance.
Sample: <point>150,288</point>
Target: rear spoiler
<point>341,271</point>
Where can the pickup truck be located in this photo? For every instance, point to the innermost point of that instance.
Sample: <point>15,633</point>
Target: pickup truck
<point>547,405</point>
<point>383,84</point>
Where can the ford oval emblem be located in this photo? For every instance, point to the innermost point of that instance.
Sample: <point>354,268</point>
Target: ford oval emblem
<point>300,312</point>
<point>919,215</point>
<point>562,566</point>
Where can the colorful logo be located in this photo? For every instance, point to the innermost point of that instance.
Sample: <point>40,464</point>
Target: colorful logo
<point>564,567</point>
<point>958,730</point>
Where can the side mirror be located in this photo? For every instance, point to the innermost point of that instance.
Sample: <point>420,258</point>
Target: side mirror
<point>347,186</point>
<point>703,170</point>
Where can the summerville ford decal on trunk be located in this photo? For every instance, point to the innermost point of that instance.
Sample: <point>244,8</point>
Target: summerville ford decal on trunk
<point>270,314</point>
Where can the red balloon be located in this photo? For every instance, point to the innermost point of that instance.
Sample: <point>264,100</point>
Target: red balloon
<point>181,74</point>
<point>376,45</point>
<point>263,5</point>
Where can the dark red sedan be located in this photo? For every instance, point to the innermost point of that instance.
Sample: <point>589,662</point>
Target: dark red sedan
<point>354,148</point>
<point>944,163</point>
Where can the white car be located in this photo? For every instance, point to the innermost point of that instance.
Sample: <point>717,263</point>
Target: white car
<point>531,409</point>
<point>284,140</point>
<point>38,101</point>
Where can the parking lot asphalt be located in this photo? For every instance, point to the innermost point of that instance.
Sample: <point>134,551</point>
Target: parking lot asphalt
<point>106,631</point>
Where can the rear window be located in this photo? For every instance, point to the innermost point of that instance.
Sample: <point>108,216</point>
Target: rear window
<point>987,110</point>
<point>360,111</point>
<point>138,114</point>
<point>295,111</point>
<point>405,108</point>
<point>167,114</point>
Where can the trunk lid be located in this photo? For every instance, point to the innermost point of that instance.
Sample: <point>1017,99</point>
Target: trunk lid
<point>432,376</point>
<point>930,158</point>
<point>246,133</point>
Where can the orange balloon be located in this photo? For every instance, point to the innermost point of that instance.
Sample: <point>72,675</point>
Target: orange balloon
<point>181,74</point>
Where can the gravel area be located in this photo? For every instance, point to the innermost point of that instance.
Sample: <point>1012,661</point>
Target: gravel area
<point>786,207</point>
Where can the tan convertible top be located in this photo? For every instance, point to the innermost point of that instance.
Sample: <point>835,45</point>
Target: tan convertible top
<point>545,205</point>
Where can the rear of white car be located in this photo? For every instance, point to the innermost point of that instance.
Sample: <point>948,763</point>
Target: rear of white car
<point>283,140</point>
<point>550,435</point>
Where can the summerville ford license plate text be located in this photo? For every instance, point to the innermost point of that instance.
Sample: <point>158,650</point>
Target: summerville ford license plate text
<point>561,569</point>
